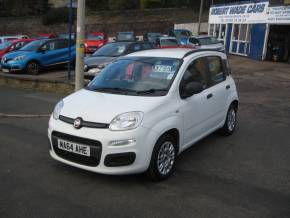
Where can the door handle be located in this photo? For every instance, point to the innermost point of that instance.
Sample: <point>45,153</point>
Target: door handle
<point>228,87</point>
<point>209,96</point>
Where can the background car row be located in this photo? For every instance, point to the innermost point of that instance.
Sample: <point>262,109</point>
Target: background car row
<point>31,55</point>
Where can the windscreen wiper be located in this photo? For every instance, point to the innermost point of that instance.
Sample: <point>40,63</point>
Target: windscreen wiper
<point>151,91</point>
<point>115,90</point>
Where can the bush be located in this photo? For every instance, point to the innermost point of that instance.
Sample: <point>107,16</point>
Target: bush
<point>56,16</point>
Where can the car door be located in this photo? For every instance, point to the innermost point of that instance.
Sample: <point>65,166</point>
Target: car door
<point>195,109</point>
<point>218,89</point>
<point>54,52</point>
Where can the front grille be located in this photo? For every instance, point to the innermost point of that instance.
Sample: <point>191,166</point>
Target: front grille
<point>95,149</point>
<point>85,123</point>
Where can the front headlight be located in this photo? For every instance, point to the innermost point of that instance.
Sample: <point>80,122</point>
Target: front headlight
<point>126,121</point>
<point>19,58</point>
<point>57,109</point>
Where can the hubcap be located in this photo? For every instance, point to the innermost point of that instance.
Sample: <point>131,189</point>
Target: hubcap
<point>166,158</point>
<point>231,120</point>
<point>33,68</point>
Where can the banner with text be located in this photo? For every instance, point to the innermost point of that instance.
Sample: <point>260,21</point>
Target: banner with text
<point>239,13</point>
<point>279,15</point>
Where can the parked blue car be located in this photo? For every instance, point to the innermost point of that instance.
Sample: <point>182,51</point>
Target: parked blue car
<point>37,55</point>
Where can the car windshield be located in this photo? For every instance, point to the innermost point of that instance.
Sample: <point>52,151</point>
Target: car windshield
<point>145,76</point>
<point>112,50</point>
<point>207,40</point>
<point>95,37</point>
<point>5,45</point>
<point>168,42</point>
<point>33,46</point>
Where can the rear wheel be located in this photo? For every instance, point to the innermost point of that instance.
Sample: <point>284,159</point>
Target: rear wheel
<point>33,68</point>
<point>231,122</point>
<point>163,158</point>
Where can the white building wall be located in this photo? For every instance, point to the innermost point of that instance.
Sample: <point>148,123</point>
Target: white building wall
<point>193,27</point>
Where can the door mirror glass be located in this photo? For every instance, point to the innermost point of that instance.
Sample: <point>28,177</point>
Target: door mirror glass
<point>191,89</point>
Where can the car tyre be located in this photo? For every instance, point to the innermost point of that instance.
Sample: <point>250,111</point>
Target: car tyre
<point>163,158</point>
<point>231,122</point>
<point>32,68</point>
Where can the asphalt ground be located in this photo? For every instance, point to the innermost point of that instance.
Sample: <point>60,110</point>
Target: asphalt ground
<point>244,175</point>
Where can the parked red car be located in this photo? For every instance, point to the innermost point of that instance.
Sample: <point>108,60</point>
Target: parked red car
<point>94,41</point>
<point>12,45</point>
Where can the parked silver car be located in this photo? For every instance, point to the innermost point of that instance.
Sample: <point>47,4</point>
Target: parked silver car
<point>206,42</point>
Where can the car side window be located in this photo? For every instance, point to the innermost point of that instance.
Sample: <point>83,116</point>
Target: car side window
<point>216,69</point>
<point>50,46</point>
<point>196,72</point>
<point>61,44</point>
<point>136,47</point>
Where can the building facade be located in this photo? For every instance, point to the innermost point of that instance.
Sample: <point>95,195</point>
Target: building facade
<point>256,29</point>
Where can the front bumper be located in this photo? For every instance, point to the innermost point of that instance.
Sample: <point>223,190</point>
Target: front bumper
<point>12,66</point>
<point>135,156</point>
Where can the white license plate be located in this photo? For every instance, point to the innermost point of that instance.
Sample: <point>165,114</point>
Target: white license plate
<point>73,147</point>
<point>5,70</point>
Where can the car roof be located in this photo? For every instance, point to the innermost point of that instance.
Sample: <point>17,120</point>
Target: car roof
<point>200,36</point>
<point>165,53</point>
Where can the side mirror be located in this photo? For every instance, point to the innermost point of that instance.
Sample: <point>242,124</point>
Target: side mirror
<point>191,89</point>
<point>42,50</point>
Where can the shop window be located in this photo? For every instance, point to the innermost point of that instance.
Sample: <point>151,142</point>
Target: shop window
<point>219,31</point>
<point>236,32</point>
<point>211,29</point>
<point>243,32</point>
<point>240,39</point>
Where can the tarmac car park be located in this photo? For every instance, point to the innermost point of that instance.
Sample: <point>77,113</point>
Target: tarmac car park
<point>136,115</point>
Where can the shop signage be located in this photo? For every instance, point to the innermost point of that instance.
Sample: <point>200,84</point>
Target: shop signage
<point>239,13</point>
<point>279,15</point>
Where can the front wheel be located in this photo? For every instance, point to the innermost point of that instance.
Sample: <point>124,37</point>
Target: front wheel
<point>163,158</point>
<point>231,122</point>
<point>33,68</point>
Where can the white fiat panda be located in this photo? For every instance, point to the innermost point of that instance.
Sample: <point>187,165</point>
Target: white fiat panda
<point>143,110</point>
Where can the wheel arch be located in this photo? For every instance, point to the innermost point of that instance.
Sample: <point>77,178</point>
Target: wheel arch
<point>235,104</point>
<point>175,133</point>
<point>33,60</point>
